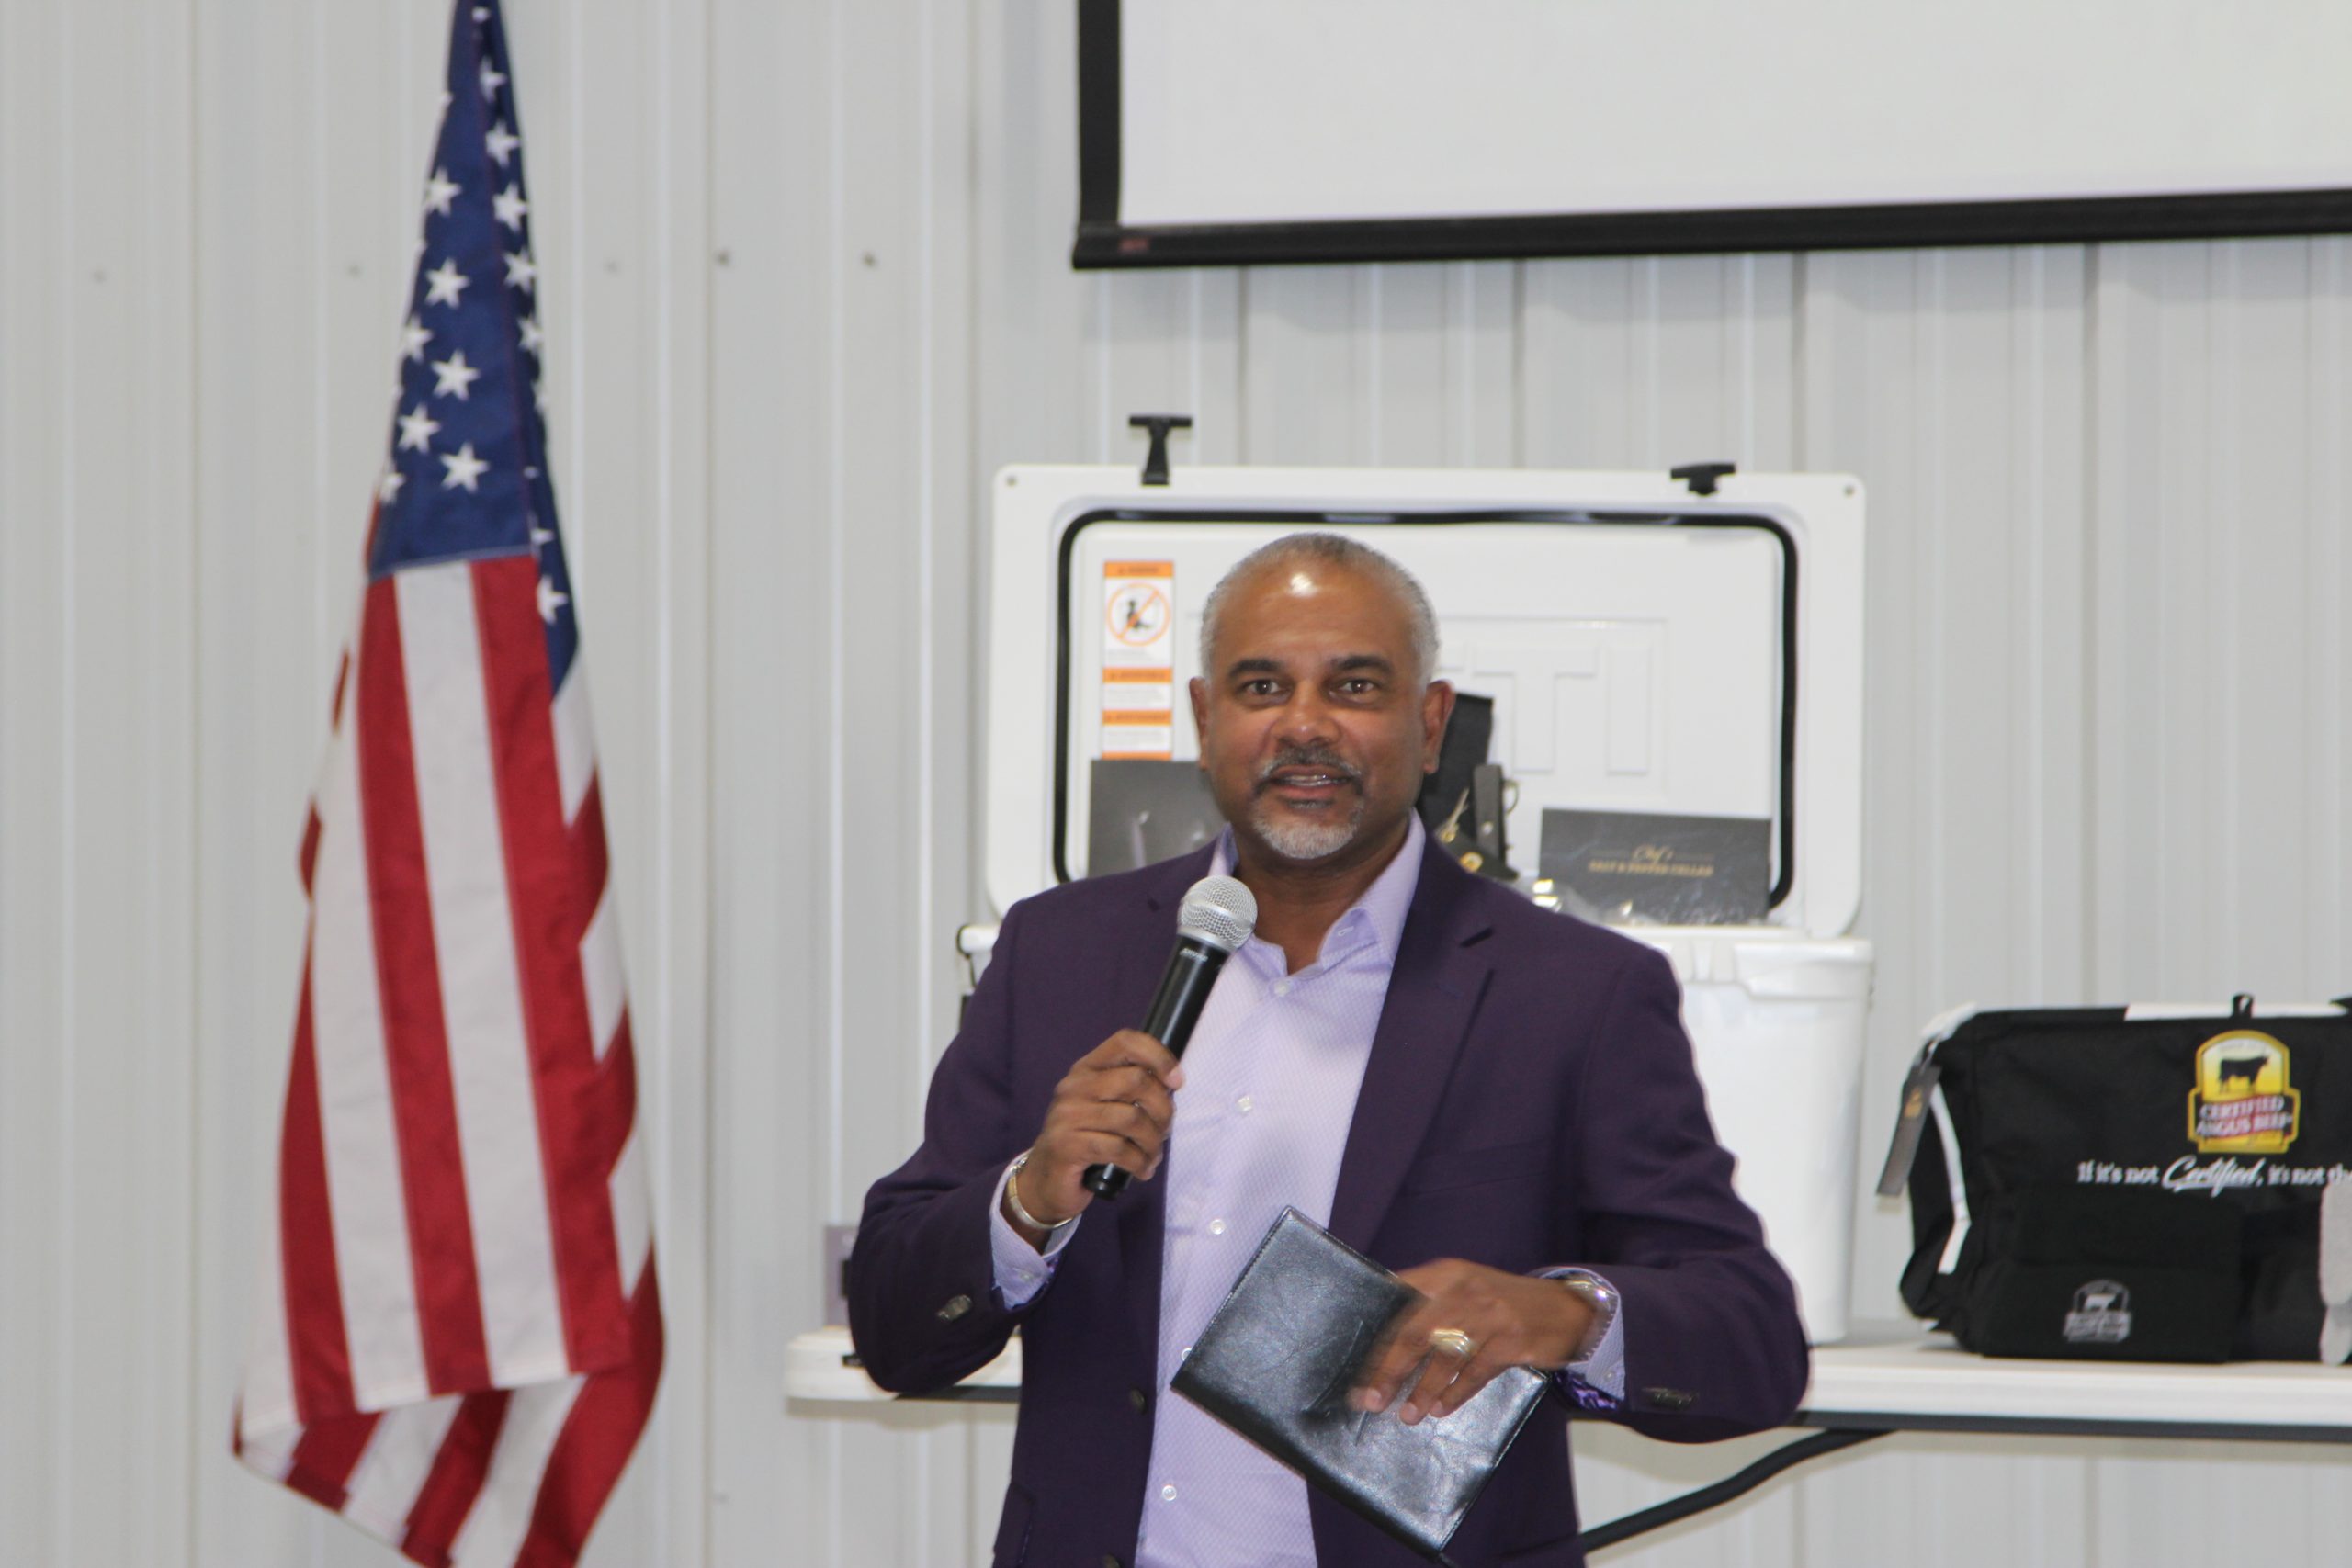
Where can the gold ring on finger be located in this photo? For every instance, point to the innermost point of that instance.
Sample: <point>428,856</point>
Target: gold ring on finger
<point>1453,1342</point>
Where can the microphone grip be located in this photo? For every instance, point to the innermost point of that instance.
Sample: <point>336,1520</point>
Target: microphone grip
<point>1175,1008</point>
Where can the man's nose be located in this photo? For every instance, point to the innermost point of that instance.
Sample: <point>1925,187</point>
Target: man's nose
<point>1306,718</point>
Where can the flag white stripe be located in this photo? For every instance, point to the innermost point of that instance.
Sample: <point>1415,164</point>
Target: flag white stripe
<point>632,1210</point>
<point>490,1060</point>
<point>575,741</point>
<point>270,1453</point>
<point>393,1470</point>
<point>500,1517</point>
<point>600,967</point>
<point>364,1192</point>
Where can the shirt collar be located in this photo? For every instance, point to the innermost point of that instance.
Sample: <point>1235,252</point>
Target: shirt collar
<point>1383,906</point>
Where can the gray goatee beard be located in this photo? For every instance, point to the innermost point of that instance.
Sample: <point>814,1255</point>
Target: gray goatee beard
<point>1294,838</point>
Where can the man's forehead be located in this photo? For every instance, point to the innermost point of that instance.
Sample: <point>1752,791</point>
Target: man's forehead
<point>1301,598</point>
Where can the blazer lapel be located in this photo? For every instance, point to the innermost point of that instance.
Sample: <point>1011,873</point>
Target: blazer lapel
<point>1434,991</point>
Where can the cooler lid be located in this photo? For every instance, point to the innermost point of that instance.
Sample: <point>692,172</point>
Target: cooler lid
<point>1649,648</point>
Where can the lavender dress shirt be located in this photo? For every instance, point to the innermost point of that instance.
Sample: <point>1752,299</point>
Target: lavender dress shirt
<point>1271,1080</point>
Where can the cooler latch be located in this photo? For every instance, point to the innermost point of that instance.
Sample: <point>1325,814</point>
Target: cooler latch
<point>1702,477</point>
<point>1154,462</point>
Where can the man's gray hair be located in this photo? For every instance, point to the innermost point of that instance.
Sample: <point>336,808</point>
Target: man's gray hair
<point>1328,549</point>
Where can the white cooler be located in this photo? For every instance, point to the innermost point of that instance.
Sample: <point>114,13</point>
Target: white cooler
<point>1645,646</point>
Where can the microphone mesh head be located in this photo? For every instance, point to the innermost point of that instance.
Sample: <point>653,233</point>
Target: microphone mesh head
<point>1218,910</point>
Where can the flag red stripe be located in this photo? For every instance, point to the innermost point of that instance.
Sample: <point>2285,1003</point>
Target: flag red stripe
<point>550,910</point>
<point>316,1345</point>
<point>588,856</point>
<point>607,1118</point>
<point>326,1454</point>
<point>455,1478</point>
<point>605,1420</point>
<point>416,1042</point>
<point>310,856</point>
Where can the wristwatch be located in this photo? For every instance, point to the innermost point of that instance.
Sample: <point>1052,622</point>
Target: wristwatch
<point>1019,1209</point>
<point>1599,1295</point>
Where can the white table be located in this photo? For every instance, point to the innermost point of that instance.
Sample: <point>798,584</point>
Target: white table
<point>1883,1378</point>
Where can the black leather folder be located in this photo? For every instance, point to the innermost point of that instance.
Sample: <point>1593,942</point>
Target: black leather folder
<point>1278,1359</point>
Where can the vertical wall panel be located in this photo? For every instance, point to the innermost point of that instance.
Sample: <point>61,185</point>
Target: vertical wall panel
<point>304,219</point>
<point>845,561</point>
<point>2327,933</point>
<point>96,355</point>
<point>774,491</point>
<point>1309,367</point>
<point>34,865</point>
<point>1652,362</point>
<point>1619,1472</point>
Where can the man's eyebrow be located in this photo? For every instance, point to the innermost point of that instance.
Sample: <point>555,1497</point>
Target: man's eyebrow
<point>1348,661</point>
<point>1259,666</point>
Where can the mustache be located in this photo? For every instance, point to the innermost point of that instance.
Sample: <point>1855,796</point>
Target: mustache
<point>1321,757</point>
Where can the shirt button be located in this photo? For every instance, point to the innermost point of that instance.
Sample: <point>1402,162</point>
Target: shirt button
<point>1168,1493</point>
<point>1216,1227</point>
<point>1281,987</point>
<point>1135,1400</point>
<point>1242,1105</point>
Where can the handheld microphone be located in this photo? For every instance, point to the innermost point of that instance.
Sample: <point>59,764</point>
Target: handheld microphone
<point>1217,917</point>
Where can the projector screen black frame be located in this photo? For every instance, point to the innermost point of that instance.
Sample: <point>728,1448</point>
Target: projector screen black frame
<point>1105,241</point>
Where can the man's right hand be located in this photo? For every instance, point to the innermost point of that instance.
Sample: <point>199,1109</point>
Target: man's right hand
<point>1114,1107</point>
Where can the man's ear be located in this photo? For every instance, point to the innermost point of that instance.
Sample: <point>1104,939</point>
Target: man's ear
<point>1437,711</point>
<point>1199,691</point>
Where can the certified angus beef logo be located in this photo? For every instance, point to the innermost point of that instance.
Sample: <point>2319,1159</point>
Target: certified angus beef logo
<point>2101,1314</point>
<point>2242,1104</point>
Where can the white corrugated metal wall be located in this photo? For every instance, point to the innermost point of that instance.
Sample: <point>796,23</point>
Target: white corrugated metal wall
<point>805,287</point>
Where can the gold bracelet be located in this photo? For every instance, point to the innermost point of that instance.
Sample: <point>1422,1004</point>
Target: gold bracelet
<point>1019,1209</point>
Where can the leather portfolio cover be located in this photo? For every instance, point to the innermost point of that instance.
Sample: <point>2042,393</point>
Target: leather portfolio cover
<point>1278,1359</point>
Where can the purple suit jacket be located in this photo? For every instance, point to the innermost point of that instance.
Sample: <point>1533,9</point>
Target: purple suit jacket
<point>1530,1101</point>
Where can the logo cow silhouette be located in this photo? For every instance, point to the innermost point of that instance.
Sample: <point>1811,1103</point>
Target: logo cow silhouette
<point>2242,1069</point>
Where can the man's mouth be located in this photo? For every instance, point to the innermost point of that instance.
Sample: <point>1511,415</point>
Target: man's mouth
<point>1318,780</point>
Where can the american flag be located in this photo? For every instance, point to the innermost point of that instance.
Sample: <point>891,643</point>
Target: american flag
<point>457,1336</point>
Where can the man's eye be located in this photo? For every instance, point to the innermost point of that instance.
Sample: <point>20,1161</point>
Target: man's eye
<point>1262,687</point>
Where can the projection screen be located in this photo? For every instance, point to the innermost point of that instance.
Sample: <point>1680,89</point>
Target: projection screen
<point>1249,130</point>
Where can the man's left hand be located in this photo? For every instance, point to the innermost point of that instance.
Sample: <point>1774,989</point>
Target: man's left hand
<point>1511,1321</point>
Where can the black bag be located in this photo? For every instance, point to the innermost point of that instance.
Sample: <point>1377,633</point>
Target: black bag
<point>2121,1184</point>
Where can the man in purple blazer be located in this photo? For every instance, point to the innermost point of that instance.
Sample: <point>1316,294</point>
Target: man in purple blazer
<point>1497,1100</point>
